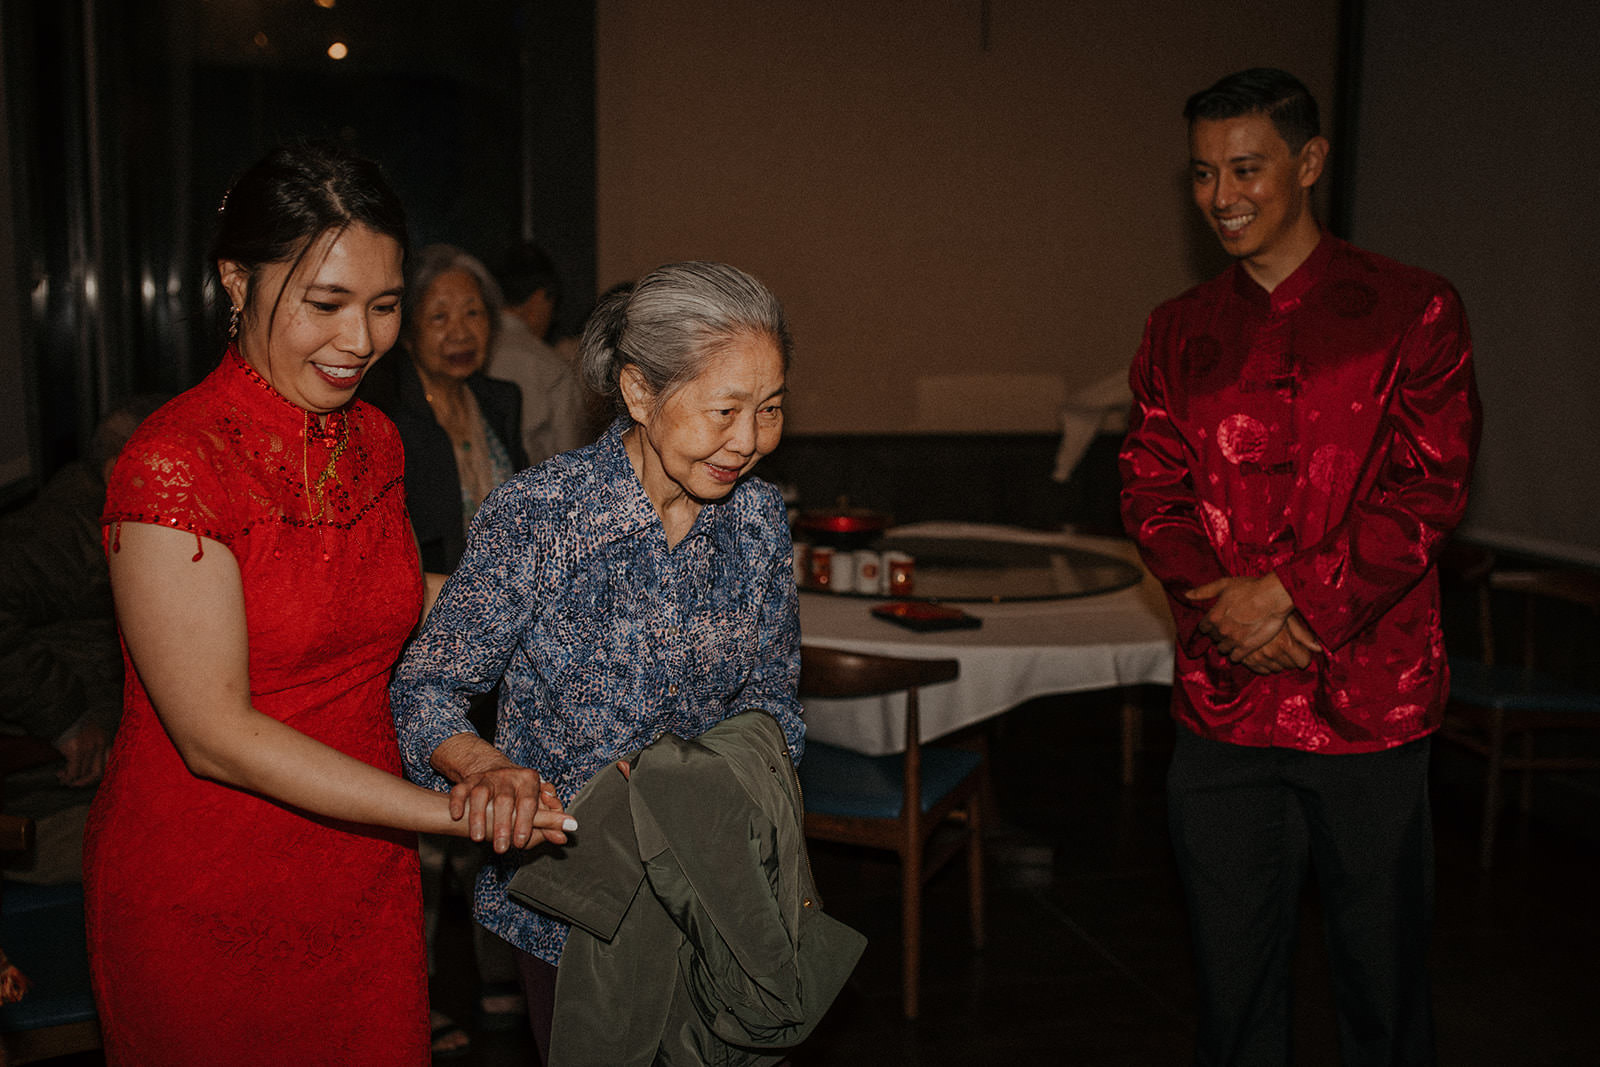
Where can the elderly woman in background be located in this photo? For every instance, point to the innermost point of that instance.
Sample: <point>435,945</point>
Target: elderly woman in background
<point>638,586</point>
<point>462,433</point>
<point>461,429</point>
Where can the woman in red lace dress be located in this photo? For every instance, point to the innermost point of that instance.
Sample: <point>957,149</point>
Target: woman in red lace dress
<point>251,868</point>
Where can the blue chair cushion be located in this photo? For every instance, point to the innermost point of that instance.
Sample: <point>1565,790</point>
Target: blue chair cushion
<point>837,781</point>
<point>41,930</point>
<point>1516,688</point>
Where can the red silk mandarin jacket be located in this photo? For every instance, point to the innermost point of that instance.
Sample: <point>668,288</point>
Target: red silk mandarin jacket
<point>1325,432</point>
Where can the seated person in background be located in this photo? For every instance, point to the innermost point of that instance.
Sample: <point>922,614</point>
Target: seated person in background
<point>553,415</point>
<point>460,428</point>
<point>60,663</point>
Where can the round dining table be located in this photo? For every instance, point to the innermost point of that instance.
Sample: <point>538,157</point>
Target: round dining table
<point>1038,634</point>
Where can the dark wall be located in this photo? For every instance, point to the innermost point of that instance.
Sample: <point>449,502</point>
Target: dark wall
<point>128,123</point>
<point>1463,108</point>
<point>995,478</point>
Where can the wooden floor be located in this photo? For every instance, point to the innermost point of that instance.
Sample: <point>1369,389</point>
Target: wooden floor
<point>1088,962</point>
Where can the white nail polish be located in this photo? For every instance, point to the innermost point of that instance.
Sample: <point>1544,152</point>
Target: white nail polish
<point>569,824</point>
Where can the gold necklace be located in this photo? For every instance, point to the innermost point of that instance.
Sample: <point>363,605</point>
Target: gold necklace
<point>316,493</point>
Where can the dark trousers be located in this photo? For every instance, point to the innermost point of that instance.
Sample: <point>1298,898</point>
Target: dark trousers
<point>1246,823</point>
<point>539,990</point>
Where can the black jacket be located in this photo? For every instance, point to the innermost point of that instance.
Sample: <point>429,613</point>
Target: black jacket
<point>433,484</point>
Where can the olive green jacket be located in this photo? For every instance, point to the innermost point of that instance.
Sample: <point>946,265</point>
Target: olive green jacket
<point>698,936</point>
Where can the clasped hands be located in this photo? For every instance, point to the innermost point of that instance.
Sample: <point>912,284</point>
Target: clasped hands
<point>1252,621</point>
<point>503,803</point>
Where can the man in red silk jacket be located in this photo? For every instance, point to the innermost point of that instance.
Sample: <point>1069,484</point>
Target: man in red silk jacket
<point>1302,433</point>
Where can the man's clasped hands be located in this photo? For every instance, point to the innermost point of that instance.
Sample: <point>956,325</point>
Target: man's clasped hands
<point>1253,621</point>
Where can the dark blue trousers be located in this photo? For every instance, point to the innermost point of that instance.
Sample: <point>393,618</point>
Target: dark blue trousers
<point>1246,825</point>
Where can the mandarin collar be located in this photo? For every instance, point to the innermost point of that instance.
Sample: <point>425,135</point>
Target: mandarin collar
<point>277,411</point>
<point>1292,289</point>
<point>633,511</point>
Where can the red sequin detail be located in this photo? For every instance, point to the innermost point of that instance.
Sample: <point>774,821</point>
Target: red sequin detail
<point>275,915</point>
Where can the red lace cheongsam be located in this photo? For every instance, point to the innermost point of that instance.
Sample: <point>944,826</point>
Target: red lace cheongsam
<point>225,928</point>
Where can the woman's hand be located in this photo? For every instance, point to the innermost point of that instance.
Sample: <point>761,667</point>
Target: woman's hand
<point>508,805</point>
<point>512,807</point>
<point>182,614</point>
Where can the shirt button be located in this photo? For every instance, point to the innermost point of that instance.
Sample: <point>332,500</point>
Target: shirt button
<point>672,690</point>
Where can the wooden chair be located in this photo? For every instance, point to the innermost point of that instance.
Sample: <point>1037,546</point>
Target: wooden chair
<point>1492,702</point>
<point>41,930</point>
<point>896,802</point>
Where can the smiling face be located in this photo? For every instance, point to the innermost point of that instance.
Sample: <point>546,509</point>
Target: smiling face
<point>450,336</point>
<point>313,328</point>
<point>708,433</point>
<point>1255,193</point>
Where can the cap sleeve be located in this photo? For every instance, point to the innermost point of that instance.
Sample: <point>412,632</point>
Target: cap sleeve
<point>167,478</point>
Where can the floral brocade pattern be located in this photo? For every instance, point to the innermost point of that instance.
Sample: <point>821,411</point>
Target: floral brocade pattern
<point>1324,432</point>
<point>605,638</point>
<point>226,928</point>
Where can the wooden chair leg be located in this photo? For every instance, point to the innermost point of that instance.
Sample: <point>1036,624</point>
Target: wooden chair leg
<point>1491,788</point>
<point>911,928</point>
<point>1132,733</point>
<point>980,745</point>
<point>975,868</point>
<point>1526,802</point>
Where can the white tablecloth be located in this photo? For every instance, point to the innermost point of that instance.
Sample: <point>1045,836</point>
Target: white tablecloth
<point>1023,650</point>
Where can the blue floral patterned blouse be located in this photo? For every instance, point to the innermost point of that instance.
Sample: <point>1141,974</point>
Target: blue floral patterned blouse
<point>604,638</point>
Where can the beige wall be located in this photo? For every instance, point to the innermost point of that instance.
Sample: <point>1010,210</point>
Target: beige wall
<point>963,236</point>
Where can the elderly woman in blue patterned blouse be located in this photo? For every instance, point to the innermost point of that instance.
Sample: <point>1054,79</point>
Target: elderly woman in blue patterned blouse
<point>638,586</point>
